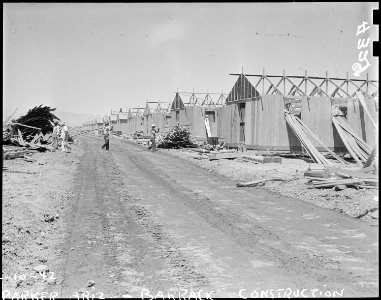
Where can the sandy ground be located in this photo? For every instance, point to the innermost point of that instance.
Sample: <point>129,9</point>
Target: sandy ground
<point>36,196</point>
<point>355,203</point>
<point>130,220</point>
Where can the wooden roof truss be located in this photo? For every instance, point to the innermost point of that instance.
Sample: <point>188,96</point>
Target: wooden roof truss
<point>204,99</point>
<point>313,86</point>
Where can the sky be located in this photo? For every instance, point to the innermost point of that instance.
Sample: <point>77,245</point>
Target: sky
<point>94,57</point>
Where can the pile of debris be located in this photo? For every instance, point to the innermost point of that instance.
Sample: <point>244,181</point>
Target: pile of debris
<point>177,138</point>
<point>137,134</point>
<point>307,139</point>
<point>32,131</point>
<point>340,179</point>
<point>38,117</point>
<point>38,120</point>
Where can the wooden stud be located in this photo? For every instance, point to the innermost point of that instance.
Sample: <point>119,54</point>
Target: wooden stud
<point>363,103</point>
<point>305,82</point>
<point>345,142</point>
<point>347,83</point>
<point>338,87</point>
<point>359,88</point>
<point>297,87</point>
<point>272,85</point>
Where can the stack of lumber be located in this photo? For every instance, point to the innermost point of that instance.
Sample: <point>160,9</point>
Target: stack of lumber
<point>217,156</point>
<point>263,159</point>
<point>16,152</point>
<point>307,137</point>
<point>39,142</point>
<point>355,145</point>
<point>339,179</point>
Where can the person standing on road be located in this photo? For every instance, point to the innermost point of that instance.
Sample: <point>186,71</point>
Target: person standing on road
<point>65,137</point>
<point>56,132</point>
<point>154,131</point>
<point>106,136</point>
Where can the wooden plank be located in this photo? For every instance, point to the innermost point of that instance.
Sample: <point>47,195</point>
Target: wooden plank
<point>258,182</point>
<point>360,96</point>
<point>371,157</point>
<point>264,159</point>
<point>343,123</point>
<point>315,155</point>
<point>314,137</point>
<point>343,138</point>
<point>224,156</point>
<point>337,182</point>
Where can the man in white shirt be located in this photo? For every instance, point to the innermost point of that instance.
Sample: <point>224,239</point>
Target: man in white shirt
<point>106,136</point>
<point>65,136</point>
<point>56,132</point>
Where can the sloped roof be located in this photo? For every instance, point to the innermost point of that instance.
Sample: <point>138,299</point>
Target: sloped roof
<point>242,89</point>
<point>129,114</point>
<point>177,103</point>
<point>147,110</point>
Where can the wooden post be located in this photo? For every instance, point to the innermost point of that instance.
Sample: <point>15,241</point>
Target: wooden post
<point>367,82</point>
<point>347,82</point>
<point>263,82</point>
<point>244,86</point>
<point>284,82</point>
<point>305,82</point>
<point>326,82</point>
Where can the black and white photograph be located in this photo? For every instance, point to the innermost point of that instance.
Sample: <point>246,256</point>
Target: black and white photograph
<point>190,150</point>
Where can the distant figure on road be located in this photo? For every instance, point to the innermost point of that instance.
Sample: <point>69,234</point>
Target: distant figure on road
<point>106,136</point>
<point>154,131</point>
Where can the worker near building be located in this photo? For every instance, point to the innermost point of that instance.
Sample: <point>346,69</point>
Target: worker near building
<point>65,137</point>
<point>154,131</point>
<point>106,136</point>
<point>56,132</point>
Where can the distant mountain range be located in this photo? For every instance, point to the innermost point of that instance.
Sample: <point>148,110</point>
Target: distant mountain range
<point>73,119</point>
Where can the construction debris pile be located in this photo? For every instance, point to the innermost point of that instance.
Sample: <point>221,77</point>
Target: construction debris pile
<point>38,117</point>
<point>177,138</point>
<point>32,131</point>
<point>38,120</point>
<point>355,145</point>
<point>340,179</point>
<point>307,138</point>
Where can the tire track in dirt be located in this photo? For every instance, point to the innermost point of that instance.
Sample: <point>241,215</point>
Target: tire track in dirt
<point>319,267</point>
<point>146,222</point>
<point>113,241</point>
<point>143,247</point>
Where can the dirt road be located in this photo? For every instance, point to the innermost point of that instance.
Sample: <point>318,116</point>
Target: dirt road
<point>144,220</point>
